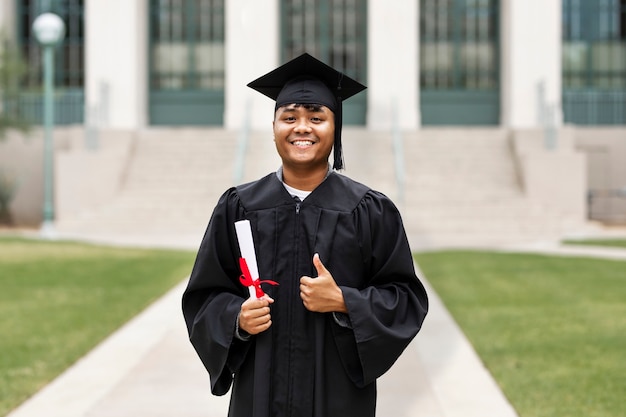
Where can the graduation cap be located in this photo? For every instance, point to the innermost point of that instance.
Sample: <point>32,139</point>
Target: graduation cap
<point>307,80</point>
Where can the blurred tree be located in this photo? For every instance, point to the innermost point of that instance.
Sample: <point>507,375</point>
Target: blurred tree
<point>12,71</point>
<point>8,188</point>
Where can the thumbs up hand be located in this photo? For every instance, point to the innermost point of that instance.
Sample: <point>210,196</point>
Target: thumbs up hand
<point>321,294</point>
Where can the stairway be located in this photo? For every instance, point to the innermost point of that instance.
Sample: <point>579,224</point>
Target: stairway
<point>172,183</point>
<point>460,187</point>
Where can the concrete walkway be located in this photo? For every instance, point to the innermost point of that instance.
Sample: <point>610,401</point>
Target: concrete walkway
<point>148,368</point>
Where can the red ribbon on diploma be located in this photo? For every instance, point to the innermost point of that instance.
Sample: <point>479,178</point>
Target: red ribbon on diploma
<point>247,280</point>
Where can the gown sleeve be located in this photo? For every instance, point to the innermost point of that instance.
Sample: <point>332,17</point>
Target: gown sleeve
<point>214,296</point>
<point>388,311</point>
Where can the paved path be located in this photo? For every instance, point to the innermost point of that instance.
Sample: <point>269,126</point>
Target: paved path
<point>149,369</point>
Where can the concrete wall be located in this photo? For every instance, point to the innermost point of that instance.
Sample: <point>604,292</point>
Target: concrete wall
<point>606,153</point>
<point>556,178</point>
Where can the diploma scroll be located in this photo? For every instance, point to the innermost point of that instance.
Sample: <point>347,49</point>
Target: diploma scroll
<point>247,262</point>
<point>246,246</point>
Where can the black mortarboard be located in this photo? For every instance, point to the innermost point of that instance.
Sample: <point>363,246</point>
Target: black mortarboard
<point>306,80</point>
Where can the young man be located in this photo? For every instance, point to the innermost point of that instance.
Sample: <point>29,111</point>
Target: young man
<point>347,302</point>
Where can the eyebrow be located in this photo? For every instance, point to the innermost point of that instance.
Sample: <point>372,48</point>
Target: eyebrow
<point>309,107</point>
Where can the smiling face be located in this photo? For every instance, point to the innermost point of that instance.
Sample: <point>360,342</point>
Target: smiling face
<point>304,136</point>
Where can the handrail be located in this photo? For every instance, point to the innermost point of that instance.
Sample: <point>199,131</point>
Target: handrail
<point>97,117</point>
<point>546,117</point>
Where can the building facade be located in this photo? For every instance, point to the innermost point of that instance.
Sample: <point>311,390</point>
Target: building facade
<point>134,64</point>
<point>534,65</point>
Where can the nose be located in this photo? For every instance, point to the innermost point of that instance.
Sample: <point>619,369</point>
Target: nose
<point>302,125</point>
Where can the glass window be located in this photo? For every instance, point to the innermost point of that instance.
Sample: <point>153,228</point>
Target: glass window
<point>331,30</point>
<point>187,49</point>
<point>458,45</point>
<point>594,44</point>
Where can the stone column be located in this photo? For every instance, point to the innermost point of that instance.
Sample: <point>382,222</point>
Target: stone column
<point>252,49</point>
<point>393,64</point>
<point>116,68</point>
<point>531,57</point>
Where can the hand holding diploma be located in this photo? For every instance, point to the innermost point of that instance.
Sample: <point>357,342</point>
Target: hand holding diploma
<point>321,294</point>
<point>254,316</point>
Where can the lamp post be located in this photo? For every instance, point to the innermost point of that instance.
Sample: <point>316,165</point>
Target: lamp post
<point>49,30</point>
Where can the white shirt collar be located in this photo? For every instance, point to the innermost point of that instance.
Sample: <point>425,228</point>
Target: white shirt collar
<point>294,192</point>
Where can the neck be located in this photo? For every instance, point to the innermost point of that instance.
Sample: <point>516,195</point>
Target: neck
<point>305,179</point>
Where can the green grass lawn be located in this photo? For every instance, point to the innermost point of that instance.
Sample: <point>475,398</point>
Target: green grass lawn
<point>552,330</point>
<point>59,299</point>
<point>618,243</point>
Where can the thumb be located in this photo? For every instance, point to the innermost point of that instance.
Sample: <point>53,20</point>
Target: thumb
<point>268,298</point>
<point>319,266</point>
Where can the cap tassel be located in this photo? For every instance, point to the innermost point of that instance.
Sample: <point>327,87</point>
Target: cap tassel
<point>338,155</point>
<point>337,147</point>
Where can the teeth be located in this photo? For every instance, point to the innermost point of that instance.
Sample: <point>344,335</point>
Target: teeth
<point>303,143</point>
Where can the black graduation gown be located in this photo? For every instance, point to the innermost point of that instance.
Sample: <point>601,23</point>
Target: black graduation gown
<point>306,364</point>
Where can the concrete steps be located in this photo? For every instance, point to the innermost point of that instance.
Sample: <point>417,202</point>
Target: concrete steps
<point>460,185</point>
<point>171,186</point>
<point>462,189</point>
